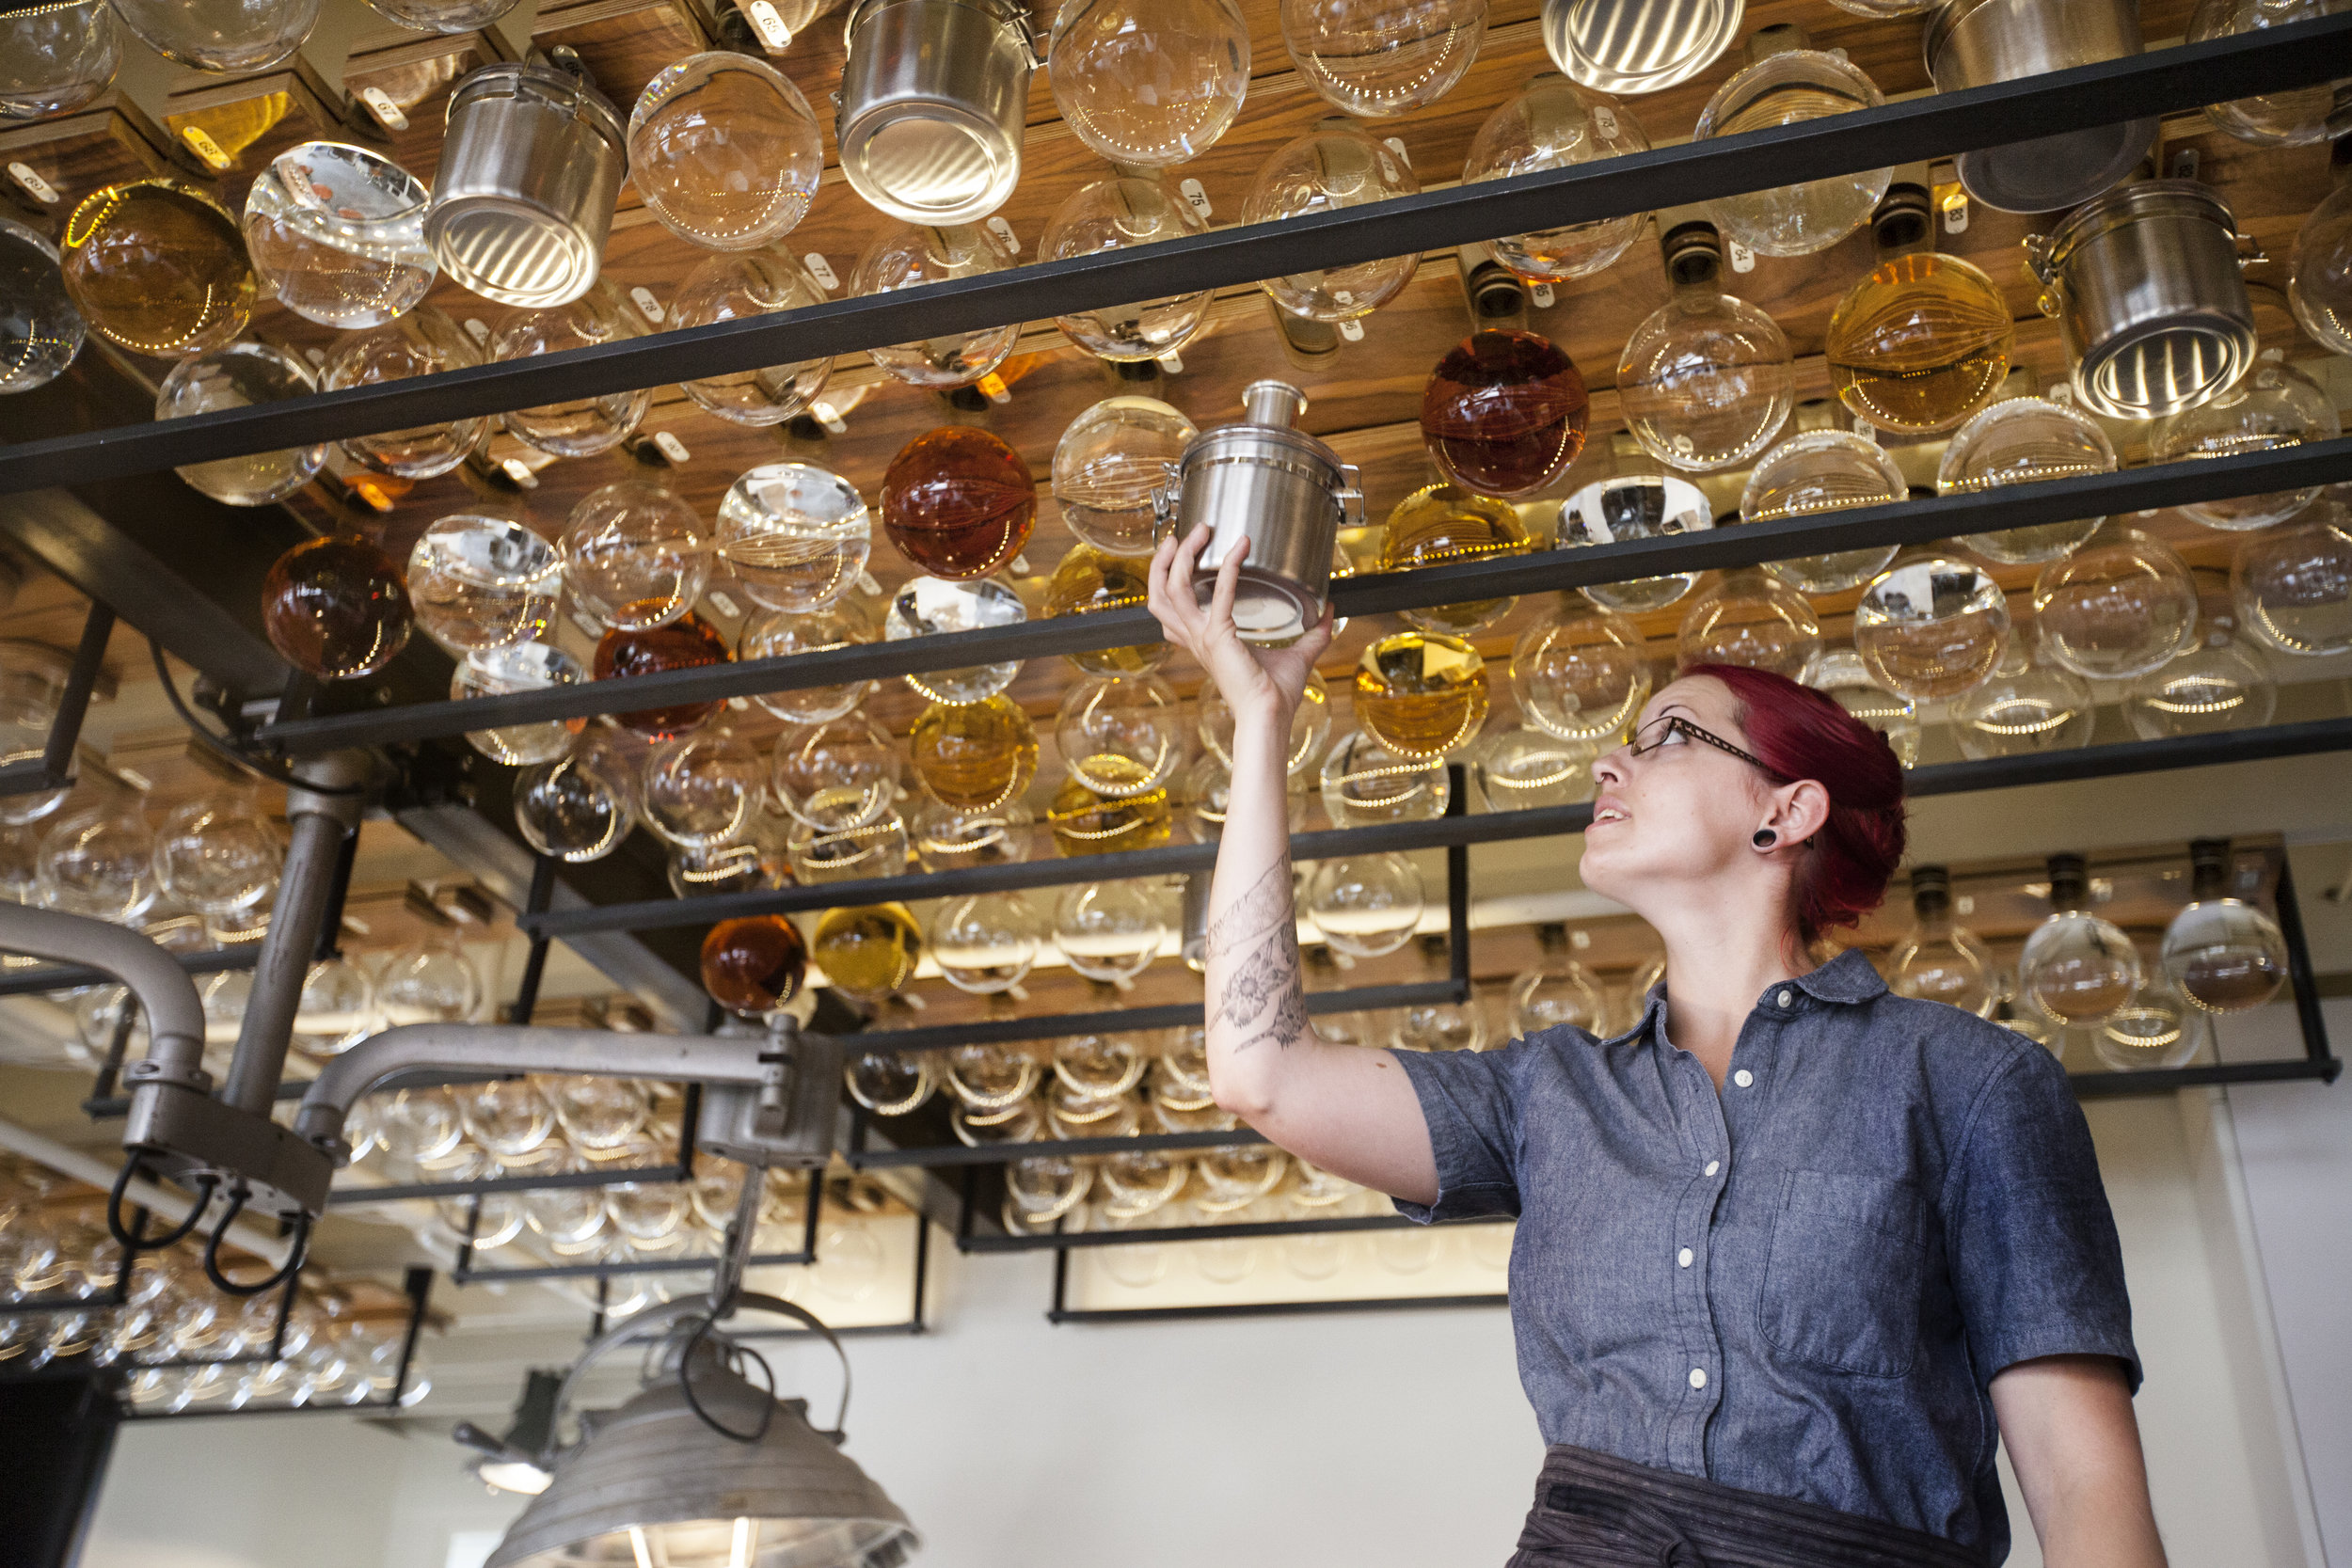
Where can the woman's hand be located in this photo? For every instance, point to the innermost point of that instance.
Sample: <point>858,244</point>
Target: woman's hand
<point>1257,681</point>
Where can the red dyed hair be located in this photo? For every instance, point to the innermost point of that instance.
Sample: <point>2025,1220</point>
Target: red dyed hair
<point>1804,734</point>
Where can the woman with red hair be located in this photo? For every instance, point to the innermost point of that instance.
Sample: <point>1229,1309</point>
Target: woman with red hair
<point>1793,1251</point>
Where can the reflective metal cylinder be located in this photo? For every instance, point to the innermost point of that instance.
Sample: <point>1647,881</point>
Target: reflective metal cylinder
<point>934,94</point>
<point>1973,44</point>
<point>530,171</point>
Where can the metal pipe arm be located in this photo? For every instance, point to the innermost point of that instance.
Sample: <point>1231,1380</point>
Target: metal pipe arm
<point>480,1047</point>
<point>175,1015</point>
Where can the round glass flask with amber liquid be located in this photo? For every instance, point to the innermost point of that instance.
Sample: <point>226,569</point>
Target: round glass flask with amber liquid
<point>957,502</point>
<point>1421,694</point>
<point>754,965</point>
<point>1924,341</point>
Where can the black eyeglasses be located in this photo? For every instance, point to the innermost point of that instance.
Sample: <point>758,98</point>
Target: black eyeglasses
<point>1672,728</point>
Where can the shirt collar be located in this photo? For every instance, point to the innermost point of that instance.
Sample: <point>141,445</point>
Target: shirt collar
<point>1850,978</point>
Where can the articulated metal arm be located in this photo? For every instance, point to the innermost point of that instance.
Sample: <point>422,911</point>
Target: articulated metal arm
<point>175,1016</point>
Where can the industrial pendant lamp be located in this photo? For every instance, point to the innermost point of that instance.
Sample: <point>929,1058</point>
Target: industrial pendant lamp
<point>703,1468</point>
<point>514,1462</point>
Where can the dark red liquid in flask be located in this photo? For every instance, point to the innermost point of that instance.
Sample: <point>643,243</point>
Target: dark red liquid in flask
<point>957,502</point>
<point>756,964</point>
<point>683,644</point>
<point>337,609</point>
<point>1504,413</point>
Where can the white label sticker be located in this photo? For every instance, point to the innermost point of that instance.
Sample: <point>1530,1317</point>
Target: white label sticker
<point>1172,362</point>
<point>1388,169</point>
<point>1021,566</point>
<point>1743,258</point>
<point>1956,212</point>
<point>724,605</point>
<point>774,37</point>
<point>738,703</point>
<point>1396,145</point>
<point>519,471</point>
<point>1191,191</point>
<point>380,105</point>
<point>1605,121</point>
<point>1004,237</point>
<point>1352,329</point>
<point>35,186</point>
<point>821,270</point>
<point>865,583</point>
<point>479,330</point>
<point>646,304</point>
<point>670,446</point>
<point>828,415</point>
<point>1580,941</point>
<point>317,357</point>
<point>1541,293</point>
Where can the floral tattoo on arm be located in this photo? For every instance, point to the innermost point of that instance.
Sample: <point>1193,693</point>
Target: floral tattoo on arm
<point>1266,988</point>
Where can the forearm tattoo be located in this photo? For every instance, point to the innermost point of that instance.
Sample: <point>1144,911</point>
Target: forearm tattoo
<point>1260,933</point>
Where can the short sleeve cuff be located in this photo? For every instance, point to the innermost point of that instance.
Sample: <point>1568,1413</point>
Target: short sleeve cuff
<point>1461,1194</point>
<point>2034,1341</point>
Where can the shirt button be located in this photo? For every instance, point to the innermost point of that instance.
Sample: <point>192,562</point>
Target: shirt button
<point>1713,1166</point>
<point>1787,998</point>
<point>1683,1258</point>
<point>1743,1078</point>
<point>1698,1377</point>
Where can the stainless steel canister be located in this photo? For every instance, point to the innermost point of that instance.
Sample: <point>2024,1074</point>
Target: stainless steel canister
<point>1974,43</point>
<point>1279,488</point>
<point>2146,288</point>
<point>1636,46</point>
<point>933,97</point>
<point>529,170</point>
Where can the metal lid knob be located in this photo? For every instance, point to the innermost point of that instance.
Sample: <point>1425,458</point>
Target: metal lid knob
<point>1273,403</point>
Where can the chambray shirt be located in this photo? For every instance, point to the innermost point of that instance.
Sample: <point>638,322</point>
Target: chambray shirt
<point>1802,1287</point>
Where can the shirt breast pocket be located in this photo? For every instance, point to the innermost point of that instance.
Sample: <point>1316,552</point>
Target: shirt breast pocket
<point>1842,1281</point>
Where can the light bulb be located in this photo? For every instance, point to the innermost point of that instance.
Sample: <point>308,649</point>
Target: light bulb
<point>220,856</point>
<point>575,427</point>
<point>1089,580</point>
<point>579,807</point>
<point>1310,721</point>
<point>1114,215</point>
<point>2076,968</point>
<point>1120,735</point>
<point>1788,88</point>
<point>2275,408</point>
<point>1634,500</point>
<point>1823,470</point>
<point>754,965</point>
<point>1364,782</point>
<point>1931,626</point>
<point>780,634</point>
<point>2221,953</point>
<point>99,863</point>
<point>986,942</point>
<point>1580,673</point>
<point>1841,673</point>
<point>724,150</point>
<point>1106,464</point>
<point>429,982</point>
<point>1748,618</point>
<point>2293,587</point>
<point>1524,768</point>
<point>839,774</point>
<point>1367,905</point>
<point>2023,707</point>
<point>479,580</point>
<point>2025,442</point>
<point>242,375</point>
<point>701,788</point>
<point>869,951</point>
<point>422,342</point>
<point>2219,684</point>
<point>928,604</point>
<point>54,58</point>
<point>903,257</point>
<point>1320,172</point>
<point>336,608</point>
<point>635,555</point>
<point>1380,58</point>
<point>1707,380</point>
<point>1109,931</point>
<point>1556,993</point>
<point>40,331</point>
<point>974,756</point>
<point>1938,960</point>
<point>1441,525</point>
<point>1149,83</point>
<point>157,266</point>
<point>1420,695</point>
<point>1554,123</point>
<point>227,36</point>
<point>1503,413</point>
<point>735,286</point>
<point>337,233</point>
<point>796,535</point>
<point>2119,608</point>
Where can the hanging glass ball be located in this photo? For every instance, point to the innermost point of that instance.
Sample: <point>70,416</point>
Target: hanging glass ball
<point>1090,579</point>
<point>337,233</point>
<point>1556,993</point>
<point>1363,783</point>
<point>518,667</point>
<point>986,942</point>
<point>442,16</point>
<point>2276,408</point>
<point>2120,607</point>
<point>1085,821</point>
<point>724,151</point>
<point>157,266</point>
<point>576,427</point>
<point>1842,676</point>
<point>797,536</point>
<point>1206,789</point>
<point>1148,83</point>
<point>1503,414</point>
<point>1441,525</point>
<point>40,332</point>
<point>688,642</point>
<point>945,839</point>
<point>1580,673</point>
<point>240,376</point>
<point>2293,587</point>
<point>429,982</point>
<point>870,951</point>
<point>974,756</point>
<point>1748,618</point>
<point>925,606</point>
<point>1705,381</point>
<point>890,1082</point>
<point>2221,685</point>
<point>1788,88</point>
<point>1378,59</point>
<point>2319,287</point>
<point>226,36</point>
<point>634,555</point>
<point>423,341</point>
<point>902,257</point>
<point>958,502</point>
<point>218,856</point>
<point>1107,464</point>
<point>755,965</point>
<point>1525,768</point>
<point>1120,735</point>
<point>1939,962</point>
<point>337,1009</point>
<point>2295,118</point>
<point>991,1078</point>
<point>1366,906</point>
<point>838,774</point>
<point>55,57</point>
<point>876,847</point>
<point>1311,722</point>
<point>1321,172</point>
<point>1109,930</point>
<point>2154,1029</point>
<point>1823,470</point>
<point>579,807</point>
<point>1421,694</point>
<point>735,286</point>
<point>508,1118</point>
<point>1930,627</point>
<point>2024,441</point>
<point>335,608</point>
<point>701,789</point>
<point>1113,214</point>
<point>99,864</point>
<point>1920,344</point>
<point>2025,706</point>
<point>1631,504</point>
<point>779,634</point>
<point>478,580</point>
<point>2224,956</point>
<point>2077,968</point>
<point>1438,1026</point>
<point>1554,123</point>
<point>597,1114</point>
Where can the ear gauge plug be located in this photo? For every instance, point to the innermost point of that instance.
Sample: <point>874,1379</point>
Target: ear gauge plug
<point>1765,838</point>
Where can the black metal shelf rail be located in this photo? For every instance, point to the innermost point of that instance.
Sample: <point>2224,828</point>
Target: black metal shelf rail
<point>1908,522</point>
<point>52,766</point>
<point>1239,1230</point>
<point>2184,77</point>
<point>1061,1312</point>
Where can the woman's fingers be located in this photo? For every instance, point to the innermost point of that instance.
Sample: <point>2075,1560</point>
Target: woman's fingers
<point>1227,587</point>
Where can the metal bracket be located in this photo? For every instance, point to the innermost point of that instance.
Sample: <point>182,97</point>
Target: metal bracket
<point>180,1131</point>
<point>787,1121</point>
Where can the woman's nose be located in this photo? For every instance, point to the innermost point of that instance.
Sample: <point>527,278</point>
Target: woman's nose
<point>1609,768</point>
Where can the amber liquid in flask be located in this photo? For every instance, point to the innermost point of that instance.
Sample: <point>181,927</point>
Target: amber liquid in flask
<point>1504,413</point>
<point>957,502</point>
<point>754,965</point>
<point>1421,694</point>
<point>974,756</point>
<point>1924,341</point>
<point>684,643</point>
<point>869,951</point>
<point>158,267</point>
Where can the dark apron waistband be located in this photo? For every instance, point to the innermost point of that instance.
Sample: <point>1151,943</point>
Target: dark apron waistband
<point>1596,1511</point>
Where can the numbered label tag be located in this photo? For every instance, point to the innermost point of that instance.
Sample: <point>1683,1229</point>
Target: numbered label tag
<point>388,113</point>
<point>670,447</point>
<point>1743,258</point>
<point>519,471</point>
<point>992,387</point>
<point>646,304</point>
<point>479,330</point>
<point>821,270</point>
<point>1193,193</point>
<point>827,415</point>
<point>202,145</point>
<point>865,583</point>
<point>766,20</point>
<point>1004,237</point>
<point>1396,145</point>
<point>33,184</point>
<point>1352,329</point>
<point>1955,206</point>
<point>1172,362</point>
<point>317,357</point>
<point>724,605</point>
<point>1605,121</point>
<point>1541,293</point>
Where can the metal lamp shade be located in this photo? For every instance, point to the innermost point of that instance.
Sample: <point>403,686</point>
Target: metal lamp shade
<point>654,1467</point>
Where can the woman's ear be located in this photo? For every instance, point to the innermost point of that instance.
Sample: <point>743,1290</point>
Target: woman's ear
<point>1798,811</point>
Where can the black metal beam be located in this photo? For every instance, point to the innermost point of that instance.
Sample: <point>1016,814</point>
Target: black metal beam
<point>53,769</point>
<point>1816,534</point>
<point>2188,76</point>
<point>1173,1015</point>
<point>1240,1230</point>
